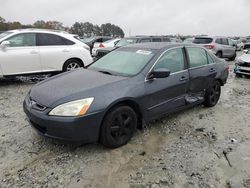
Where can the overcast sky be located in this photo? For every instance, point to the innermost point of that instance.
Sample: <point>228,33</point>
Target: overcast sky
<point>212,17</point>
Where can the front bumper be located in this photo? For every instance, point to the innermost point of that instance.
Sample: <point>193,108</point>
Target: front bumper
<point>83,129</point>
<point>242,69</point>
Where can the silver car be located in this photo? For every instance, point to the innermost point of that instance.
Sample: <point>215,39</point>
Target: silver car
<point>222,47</point>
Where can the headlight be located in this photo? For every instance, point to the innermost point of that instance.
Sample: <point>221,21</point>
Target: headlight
<point>73,108</point>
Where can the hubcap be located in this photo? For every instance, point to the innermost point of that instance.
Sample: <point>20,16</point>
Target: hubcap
<point>72,66</point>
<point>121,127</point>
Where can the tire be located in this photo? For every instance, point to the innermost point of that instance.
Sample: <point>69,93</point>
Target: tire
<point>118,127</point>
<point>219,54</point>
<point>238,75</point>
<point>212,95</point>
<point>232,58</point>
<point>72,64</point>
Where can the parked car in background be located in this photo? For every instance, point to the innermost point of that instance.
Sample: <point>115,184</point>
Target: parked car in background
<point>176,40</point>
<point>247,45</point>
<point>188,40</point>
<point>107,44</point>
<point>239,45</point>
<point>91,40</point>
<point>137,83</point>
<point>30,51</point>
<point>242,65</point>
<point>222,47</point>
<point>131,40</point>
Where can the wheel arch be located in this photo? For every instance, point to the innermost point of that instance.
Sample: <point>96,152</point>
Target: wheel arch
<point>73,58</point>
<point>128,102</point>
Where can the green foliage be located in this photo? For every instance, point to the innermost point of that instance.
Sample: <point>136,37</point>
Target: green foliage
<point>86,29</point>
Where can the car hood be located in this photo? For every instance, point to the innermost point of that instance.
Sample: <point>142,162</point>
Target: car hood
<point>245,58</point>
<point>71,86</point>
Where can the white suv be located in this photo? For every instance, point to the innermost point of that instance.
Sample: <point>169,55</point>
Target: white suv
<point>30,51</point>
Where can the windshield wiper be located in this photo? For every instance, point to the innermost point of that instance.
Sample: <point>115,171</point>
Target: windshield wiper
<point>106,72</point>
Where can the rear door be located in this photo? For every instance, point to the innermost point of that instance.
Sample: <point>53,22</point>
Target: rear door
<point>22,56</point>
<point>164,95</point>
<point>228,51</point>
<point>202,71</point>
<point>54,51</point>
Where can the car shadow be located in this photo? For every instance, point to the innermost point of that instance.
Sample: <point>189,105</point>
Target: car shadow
<point>23,79</point>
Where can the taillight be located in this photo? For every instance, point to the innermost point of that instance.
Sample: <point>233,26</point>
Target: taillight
<point>227,69</point>
<point>210,46</point>
<point>101,45</point>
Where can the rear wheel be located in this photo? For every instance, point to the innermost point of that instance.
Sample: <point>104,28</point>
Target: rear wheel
<point>219,54</point>
<point>212,94</point>
<point>232,58</point>
<point>118,127</point>
<point>72,64</point>
<point>238,75</point>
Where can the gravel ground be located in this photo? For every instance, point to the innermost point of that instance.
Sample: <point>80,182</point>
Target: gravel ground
<point>199,147</point>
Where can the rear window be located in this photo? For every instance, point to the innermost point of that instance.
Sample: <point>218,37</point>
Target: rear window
<point>202,40</point>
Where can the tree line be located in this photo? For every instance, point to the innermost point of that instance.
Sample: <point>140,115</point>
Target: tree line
<point>85,29</point>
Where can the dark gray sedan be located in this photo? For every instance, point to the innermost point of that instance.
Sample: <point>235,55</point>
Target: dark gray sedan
<point>110,99</point>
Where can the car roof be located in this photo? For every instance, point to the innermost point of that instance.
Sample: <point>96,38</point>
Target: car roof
<point>157,45</point>
<point>38,30</point>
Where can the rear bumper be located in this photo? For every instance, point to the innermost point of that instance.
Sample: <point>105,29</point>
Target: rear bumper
<point>68,129</point>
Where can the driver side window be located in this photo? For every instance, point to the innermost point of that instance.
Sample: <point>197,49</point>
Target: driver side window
<point>172,60</point>
<point>21,40</point>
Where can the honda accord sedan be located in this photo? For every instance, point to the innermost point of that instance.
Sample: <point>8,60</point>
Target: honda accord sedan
<point>115,95</point>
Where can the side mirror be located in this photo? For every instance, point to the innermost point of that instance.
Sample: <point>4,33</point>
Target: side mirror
<point>159,73</point>
<point>5,44</point>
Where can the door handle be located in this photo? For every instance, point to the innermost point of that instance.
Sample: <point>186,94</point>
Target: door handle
<point>183,78</point>
<point>65,50</point>
<point>34,52</point>
<point>212,70</point>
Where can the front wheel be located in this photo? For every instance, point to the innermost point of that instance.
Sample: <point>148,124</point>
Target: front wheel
<point>213,94</point>
<point>118,127</point>
<point>72,64</point>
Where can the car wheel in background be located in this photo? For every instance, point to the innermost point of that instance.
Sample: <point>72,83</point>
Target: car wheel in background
<point>118,126</point>
<point>219,54</point>
<point>72,64</point>
<point>213,94</point>
<point>238,75</point>
<point>232,58</point>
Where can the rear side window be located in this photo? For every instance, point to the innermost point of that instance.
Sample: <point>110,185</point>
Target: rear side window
<point>23,40</point>
<point>156,39</point>
<point>197,57</point>
<point>218,41</point>
<point>145,40</point>
<point>202,40</point>
<point>209,59</point>
<point>166,39</point>
<point>45,39</point>
<point>224,41</point>
<point>172,60</point>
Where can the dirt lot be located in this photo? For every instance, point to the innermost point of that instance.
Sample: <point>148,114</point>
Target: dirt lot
<point>199,147</point>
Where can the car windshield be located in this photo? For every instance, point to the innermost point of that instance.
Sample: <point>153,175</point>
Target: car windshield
<point>2,35</point>
<point>126,41</point>
<point>202,40</point>
<point>125,62</point>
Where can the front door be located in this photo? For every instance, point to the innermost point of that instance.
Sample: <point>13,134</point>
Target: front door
<point>22,56</point>
<point>166,94</point>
